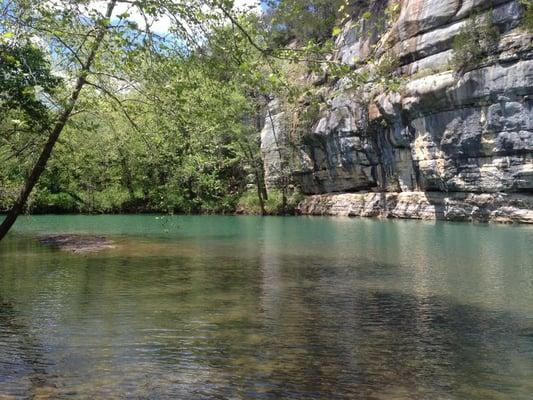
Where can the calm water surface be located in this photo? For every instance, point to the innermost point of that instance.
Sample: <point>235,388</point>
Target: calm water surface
<point>267,308</point>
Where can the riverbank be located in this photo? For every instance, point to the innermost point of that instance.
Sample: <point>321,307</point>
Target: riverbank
<point>452,206</point>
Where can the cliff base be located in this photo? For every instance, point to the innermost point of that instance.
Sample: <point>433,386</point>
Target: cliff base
<point>455,206</point>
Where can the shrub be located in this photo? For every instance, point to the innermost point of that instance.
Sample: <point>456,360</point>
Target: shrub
<point>477,39</point>
<point>274,203</point>
<point>392,12</point>
<point>527,19</point>
<point>8,194</point>
<point>109,200</point>
<point>46,202</point>
<point>249,203</point>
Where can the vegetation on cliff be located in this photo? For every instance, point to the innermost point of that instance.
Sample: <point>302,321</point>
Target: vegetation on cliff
<point>477,39</point>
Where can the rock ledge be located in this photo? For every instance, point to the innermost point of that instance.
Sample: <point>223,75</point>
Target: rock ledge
<point>455,206</point>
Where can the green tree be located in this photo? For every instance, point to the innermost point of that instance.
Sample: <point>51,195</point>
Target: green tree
<point>302,20</point>
<point>97,46</point>
<point>25,83</point>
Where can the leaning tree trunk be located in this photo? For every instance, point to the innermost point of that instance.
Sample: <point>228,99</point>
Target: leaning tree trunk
<point>40,165</point>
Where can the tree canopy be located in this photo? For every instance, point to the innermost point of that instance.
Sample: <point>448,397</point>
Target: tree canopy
<point>145,105</point>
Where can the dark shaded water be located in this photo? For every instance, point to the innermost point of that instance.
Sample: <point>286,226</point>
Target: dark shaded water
<point>268,308</point>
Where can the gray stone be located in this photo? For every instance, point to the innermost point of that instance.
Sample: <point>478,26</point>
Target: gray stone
<point>447,146</point>
<point>494,207</point>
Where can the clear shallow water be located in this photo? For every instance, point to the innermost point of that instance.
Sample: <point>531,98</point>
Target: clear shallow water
<point>268,308</point>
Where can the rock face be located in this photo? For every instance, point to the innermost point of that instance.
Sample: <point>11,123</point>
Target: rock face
<point>459,206</point>
<point>445,145</point>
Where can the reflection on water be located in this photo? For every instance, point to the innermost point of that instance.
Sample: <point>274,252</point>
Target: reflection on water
<point>267,308</point>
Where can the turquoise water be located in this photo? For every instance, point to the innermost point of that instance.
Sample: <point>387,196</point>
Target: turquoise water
<point>210,307</point>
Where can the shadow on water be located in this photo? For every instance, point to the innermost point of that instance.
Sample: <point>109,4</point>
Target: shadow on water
<point>21,357</point>
<point>382,344</point>
<point>187,331</point>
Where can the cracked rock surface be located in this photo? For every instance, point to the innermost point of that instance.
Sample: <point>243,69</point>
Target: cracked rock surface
<point>445,135</point>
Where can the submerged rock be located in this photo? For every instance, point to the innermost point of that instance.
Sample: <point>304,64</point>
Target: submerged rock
<point>77,243</point>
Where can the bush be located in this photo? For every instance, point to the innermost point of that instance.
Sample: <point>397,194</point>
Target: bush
<point>527,21</point>
<point>55,203</point>
<point>8,194</point>
<point>249,203</point>
<point>477,39</point>
<point>109,200</point>
<point>301,20</point>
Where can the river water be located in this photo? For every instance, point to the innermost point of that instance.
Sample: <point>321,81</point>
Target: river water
<point>211,307</point>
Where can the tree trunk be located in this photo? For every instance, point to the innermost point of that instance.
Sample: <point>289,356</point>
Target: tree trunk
<point>261,190</point>
<point>261,200</point>
<point>46,152</point>
<point>261,177</point>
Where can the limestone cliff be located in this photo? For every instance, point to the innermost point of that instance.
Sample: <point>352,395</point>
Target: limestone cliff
<point>443,145</point>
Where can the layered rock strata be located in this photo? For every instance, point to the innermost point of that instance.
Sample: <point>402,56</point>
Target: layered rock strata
<point>458,206</point>
<point>445,145</point>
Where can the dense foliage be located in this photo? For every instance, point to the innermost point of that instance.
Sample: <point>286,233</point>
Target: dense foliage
<point>302,20</point>
<point>167,121</point>
<point>25,82</point>
<point>163,124</point>
<point>172,145</point>
<point>527,20</point>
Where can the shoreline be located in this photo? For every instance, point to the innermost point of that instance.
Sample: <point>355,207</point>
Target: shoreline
<point>451,206</point>
<point>498,207</point>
